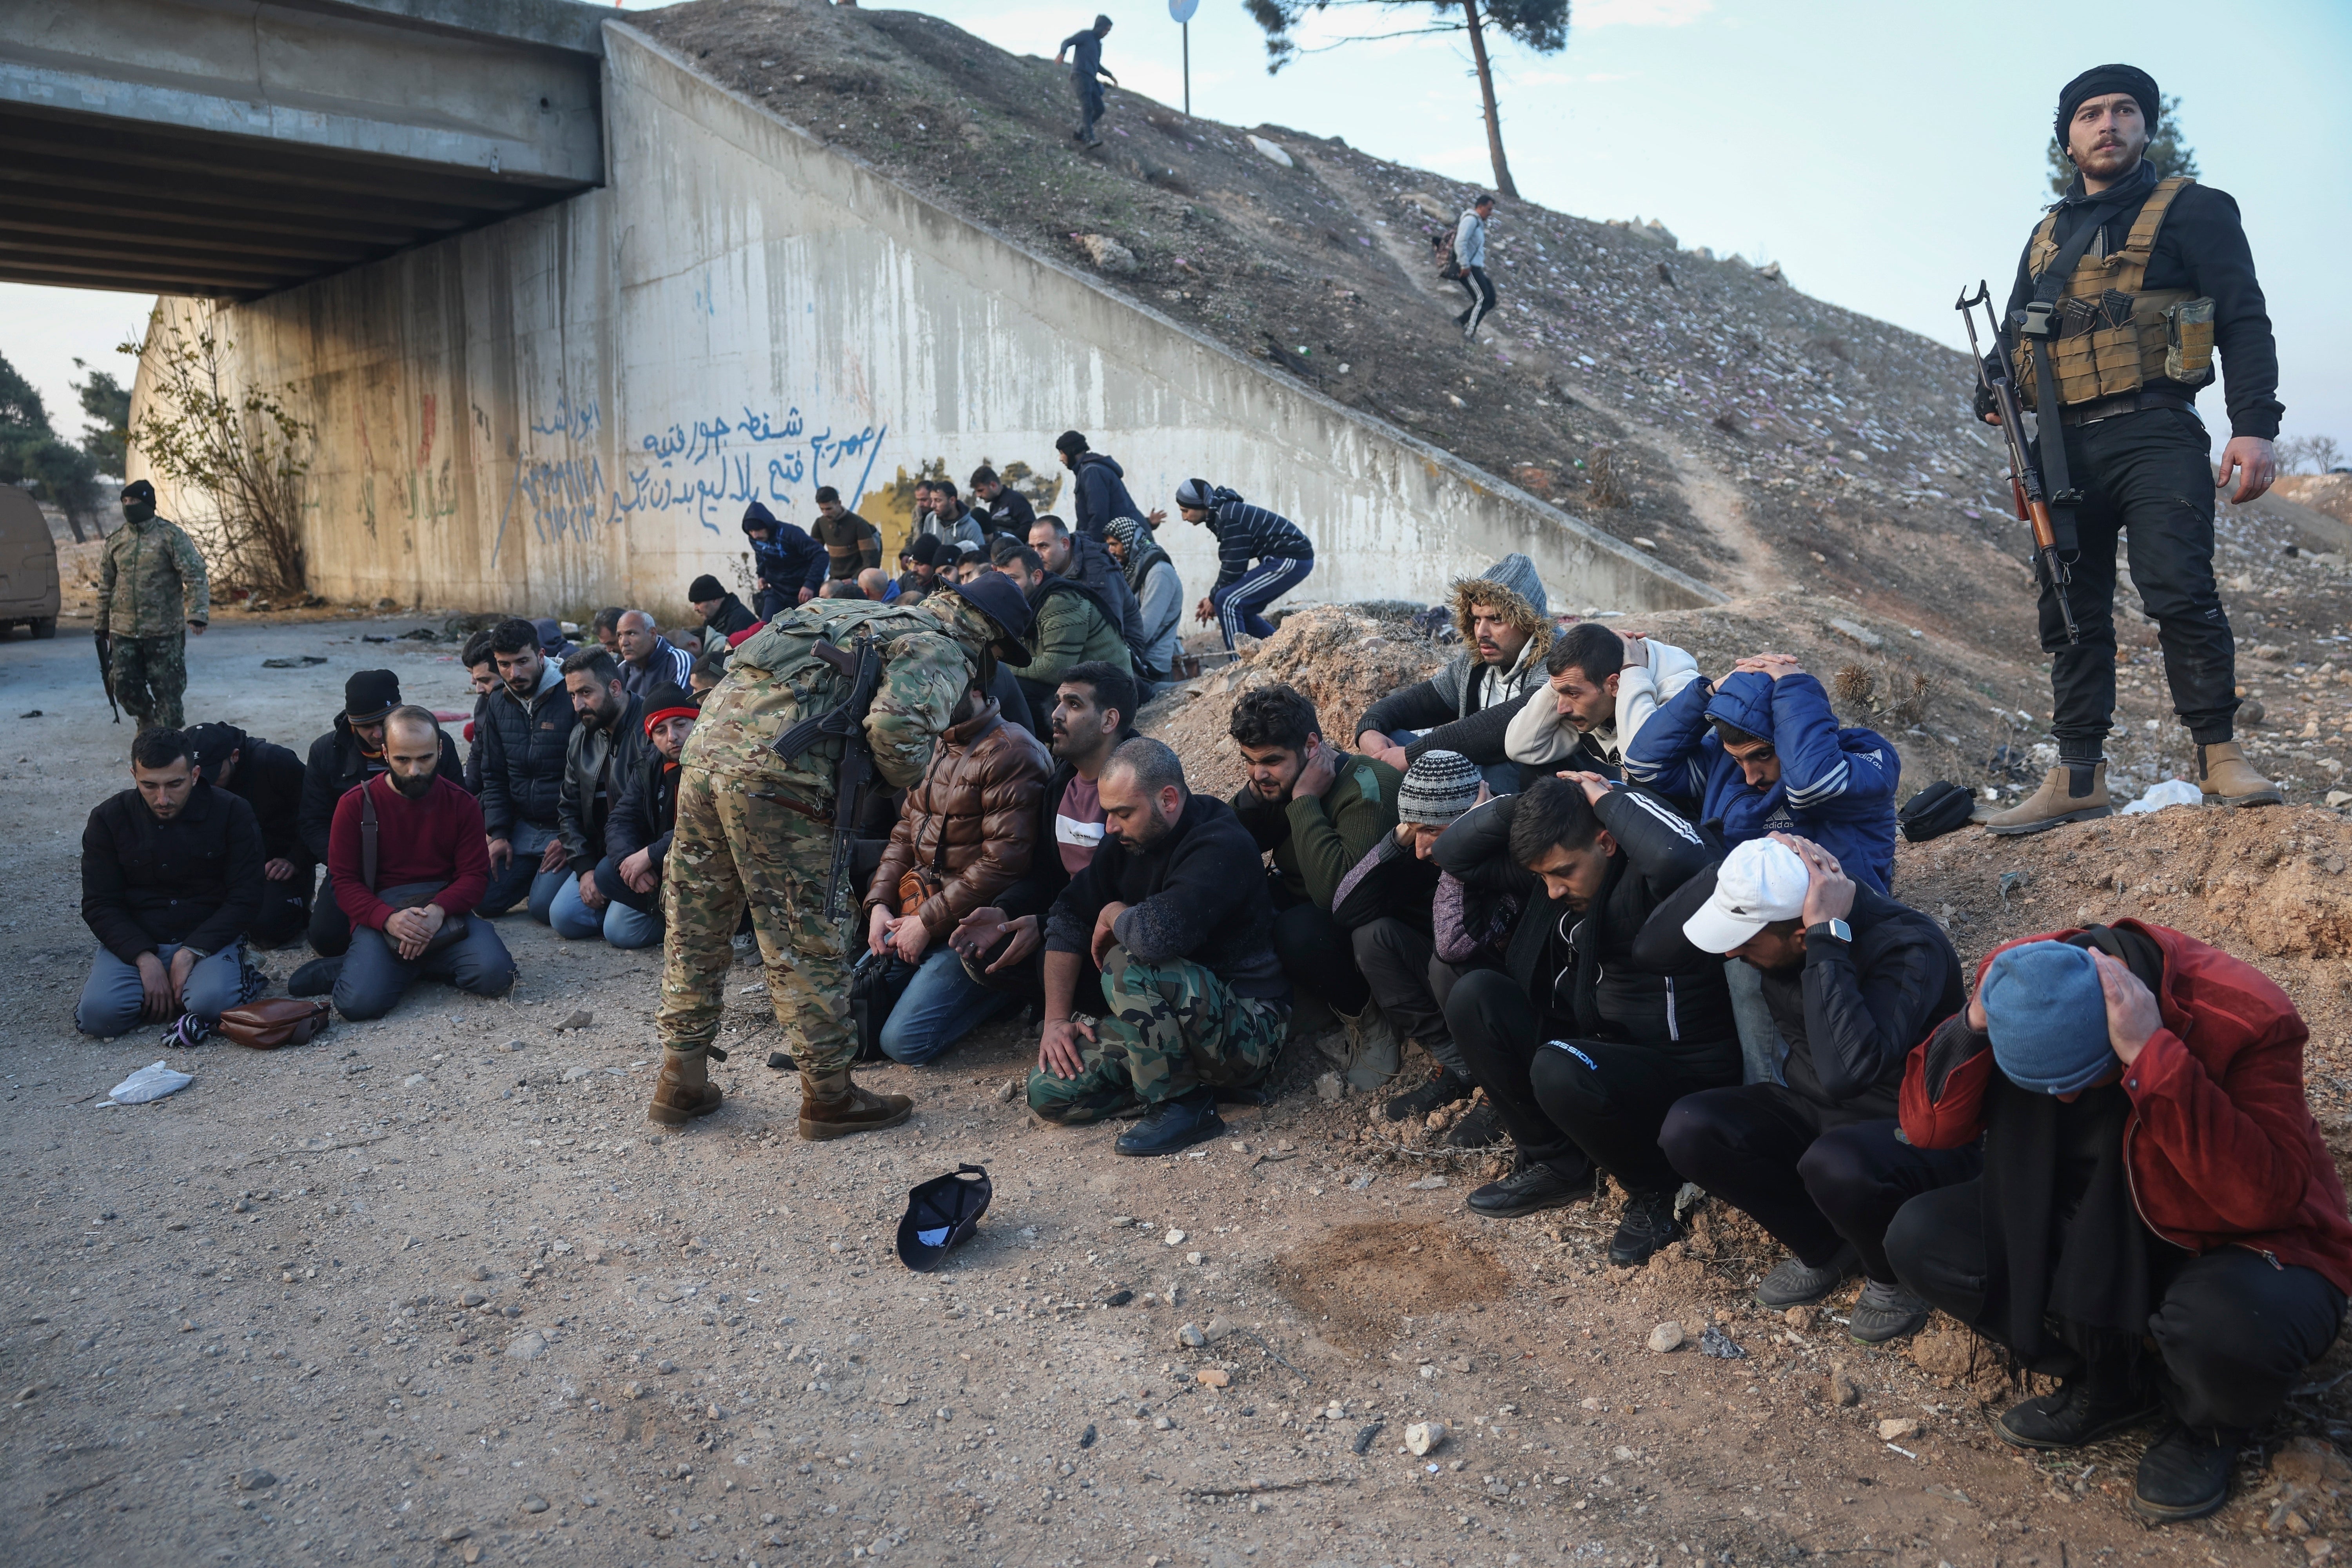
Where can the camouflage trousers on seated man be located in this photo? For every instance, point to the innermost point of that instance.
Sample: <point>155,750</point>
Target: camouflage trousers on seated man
<point>150,679</point>
<point>1167,1030</point>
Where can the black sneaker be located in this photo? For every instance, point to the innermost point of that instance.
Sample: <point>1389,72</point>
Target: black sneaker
<point>1481,1128</point>
<point>316,978</point>
<point>1443,1087</point>
<point>1174,1124</point>
<point>1531,1189</point>
<point>2185,1474</point>
<point>1796,1283</point>
<point>1885,1312</point>
<point>2070,1418</point>
<point>1647,1225</point>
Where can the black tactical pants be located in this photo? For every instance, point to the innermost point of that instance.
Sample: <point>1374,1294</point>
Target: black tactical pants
<point>2146,478</point>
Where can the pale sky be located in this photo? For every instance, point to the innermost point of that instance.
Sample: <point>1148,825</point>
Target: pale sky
<point>1885,154</point>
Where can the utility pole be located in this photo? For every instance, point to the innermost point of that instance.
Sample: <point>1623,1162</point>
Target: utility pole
<point>1182,10</point>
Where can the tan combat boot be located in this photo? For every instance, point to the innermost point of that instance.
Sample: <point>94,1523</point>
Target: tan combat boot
<point>2055,803</point>
<point>832,1106</point>
<point>1373,1055</point>
<point>684,1090</point>
<point>2228,779</point>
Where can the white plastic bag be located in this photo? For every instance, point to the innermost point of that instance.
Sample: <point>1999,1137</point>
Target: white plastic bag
<point>149,1083</point>
<point>2172,791</point>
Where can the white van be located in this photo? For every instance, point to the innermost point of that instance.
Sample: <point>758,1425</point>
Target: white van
<point>29,566</point>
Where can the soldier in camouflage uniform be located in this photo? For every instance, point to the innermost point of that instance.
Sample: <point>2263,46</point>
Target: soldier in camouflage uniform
<point>754,828</point>
<point>1175,910</point>
<point>150,582</point>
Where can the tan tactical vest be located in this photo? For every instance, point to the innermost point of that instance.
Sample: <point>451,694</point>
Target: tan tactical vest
<point>2115,336</point>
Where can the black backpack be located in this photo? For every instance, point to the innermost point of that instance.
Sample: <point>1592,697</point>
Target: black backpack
<point>1938,809</point>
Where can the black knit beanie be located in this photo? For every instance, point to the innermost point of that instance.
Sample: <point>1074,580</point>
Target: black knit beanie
<point>704,587</point>
<point>2100,80</point>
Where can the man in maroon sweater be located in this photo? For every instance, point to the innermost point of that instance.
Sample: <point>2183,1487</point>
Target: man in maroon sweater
<point>410,909</point>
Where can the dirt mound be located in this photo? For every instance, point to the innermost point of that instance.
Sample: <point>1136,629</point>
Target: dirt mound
<point>2329,493</point>
<point>1363,1279</point>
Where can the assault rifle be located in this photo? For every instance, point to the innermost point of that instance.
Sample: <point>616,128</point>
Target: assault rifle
<point>2025,486</point>
<point>862,662</point>
<point>106,671</point>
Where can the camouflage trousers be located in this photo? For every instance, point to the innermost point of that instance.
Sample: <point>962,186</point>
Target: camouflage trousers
<point>151,677</point>
<point>730,849</point>
<point>1167,1029</point>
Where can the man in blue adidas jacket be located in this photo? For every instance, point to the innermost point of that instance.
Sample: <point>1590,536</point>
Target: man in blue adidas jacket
<point>1762,753</point>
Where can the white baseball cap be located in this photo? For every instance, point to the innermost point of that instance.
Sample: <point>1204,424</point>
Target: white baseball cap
<point>1758,882</point>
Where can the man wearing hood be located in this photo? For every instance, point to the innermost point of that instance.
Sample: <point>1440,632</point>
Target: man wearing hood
<point>268,779</point>
<point>1601,688</point>
<point>1069,627</point>
<point>755,828</point>
<point>341,760</point>
<point>151,591</point>
<point>1086,562</point>
<point>1468,705</point>
<point>1157,636</point>
<point>1098,485</point>
<point>1261,556</point>
<point>525,737</point>
<point>789,566</point>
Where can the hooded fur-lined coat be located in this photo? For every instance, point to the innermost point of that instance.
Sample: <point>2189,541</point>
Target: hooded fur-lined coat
<point>1467,706</point>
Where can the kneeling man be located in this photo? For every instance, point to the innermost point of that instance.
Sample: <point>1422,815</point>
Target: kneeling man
<point>1173,910</point>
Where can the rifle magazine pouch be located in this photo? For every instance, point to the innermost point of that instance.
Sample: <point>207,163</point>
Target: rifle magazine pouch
<point>2189,342</point>
<point>1942,807</point>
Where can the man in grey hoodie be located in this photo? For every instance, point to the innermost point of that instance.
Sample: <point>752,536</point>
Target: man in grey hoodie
<point>1470,255</point>
<point>1467,706</point>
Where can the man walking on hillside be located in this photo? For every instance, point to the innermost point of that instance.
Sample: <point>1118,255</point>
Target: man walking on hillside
<point>150,582</point>
<point>1470,255</point>
<point>2141,279</point>
<point>1087,75</point>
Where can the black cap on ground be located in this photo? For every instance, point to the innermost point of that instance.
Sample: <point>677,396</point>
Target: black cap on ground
<point>941,1214</point>
<point>370,694</point>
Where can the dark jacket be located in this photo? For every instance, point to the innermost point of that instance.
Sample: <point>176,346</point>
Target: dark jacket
<point>970,823</point>
<point>269,779</point>
<point>1092,567</point>
<point>1585,974</point>
<point>1466,707</point>
<point>1099,493</point>
<point>2220,1146</point>
<point>731,616</point>
<point>1198,894</point>
<point>789,560</point>
<point>2202,247</point>
<point>645,818</point>
<point>1010,512</point>
<point>1069,627</point>
<point>196,880</point>
<point>522,757</point>
<point>1247,535</point>
<point>1316,841</point>
<point>594,763</point>
<point>337,765</point>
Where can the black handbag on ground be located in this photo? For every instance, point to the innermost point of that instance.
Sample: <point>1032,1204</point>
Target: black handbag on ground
<point>875,987</point>
<point>1940,808</point>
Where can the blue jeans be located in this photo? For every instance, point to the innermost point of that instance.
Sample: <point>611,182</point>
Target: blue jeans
<point>375,976</point>
<point>939,1006</point>
<point>1237,604</point>
<point>111,997</point>
<point>616,923</point>
<point>522,882</point>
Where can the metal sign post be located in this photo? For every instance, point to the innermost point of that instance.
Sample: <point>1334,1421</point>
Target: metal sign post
<point>1182,10</point>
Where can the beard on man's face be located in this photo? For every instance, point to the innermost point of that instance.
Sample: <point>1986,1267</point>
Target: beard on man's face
<point>412,785</point>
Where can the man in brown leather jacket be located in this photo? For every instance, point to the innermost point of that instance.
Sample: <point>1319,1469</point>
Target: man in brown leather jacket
<point>967,833</point>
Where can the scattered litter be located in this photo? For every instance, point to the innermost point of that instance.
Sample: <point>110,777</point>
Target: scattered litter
<point>1720,1345</point>
<point>1360,1182</point>
<point>293,661</point>
<point>1428,1184</point>
<point>1274,154</point>
<point>1905,1452</point>
<point>1364,1438</point>
<point>149,1083</point>
<point>2172,791</point>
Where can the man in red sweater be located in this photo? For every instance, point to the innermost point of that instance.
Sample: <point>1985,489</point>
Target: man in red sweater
<point>411,899</point>
<point>2152,1176</point>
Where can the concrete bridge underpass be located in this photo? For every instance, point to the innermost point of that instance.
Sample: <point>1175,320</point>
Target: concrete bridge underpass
<point>230,149</point>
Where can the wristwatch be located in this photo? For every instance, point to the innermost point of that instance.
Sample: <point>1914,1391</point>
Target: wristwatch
<point>1832,928</point>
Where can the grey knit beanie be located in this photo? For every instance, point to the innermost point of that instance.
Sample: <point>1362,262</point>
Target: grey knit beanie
<point>1438,787</point>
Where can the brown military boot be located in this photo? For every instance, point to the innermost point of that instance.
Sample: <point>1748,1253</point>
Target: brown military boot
<point>2228,779</point>
<point>832,1106</point>
<point>2067,795</point>
<point>684,1090</point>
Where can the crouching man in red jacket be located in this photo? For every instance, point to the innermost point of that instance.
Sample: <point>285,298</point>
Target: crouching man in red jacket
<point>2160,1225</point>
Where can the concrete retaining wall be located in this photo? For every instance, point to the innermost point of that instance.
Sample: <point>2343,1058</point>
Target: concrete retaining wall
<point>572,407</point>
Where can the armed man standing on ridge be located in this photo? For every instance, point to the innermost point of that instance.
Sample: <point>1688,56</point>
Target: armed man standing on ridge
<point>762,823</point>
<point>151,581</point>
<point>2137,281</point>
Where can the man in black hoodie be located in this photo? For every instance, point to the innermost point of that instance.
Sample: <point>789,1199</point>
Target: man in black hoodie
<point>171,879</point>
<point>1173,910</point>
<point>341,761</point>
<point>1098,486</point>
<point>1854,981</point>
<point>268,779</point>
<point>1580,1044</point>
<point>723,614</point>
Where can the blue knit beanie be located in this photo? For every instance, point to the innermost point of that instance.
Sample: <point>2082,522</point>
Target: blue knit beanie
<point>2048,1017</point>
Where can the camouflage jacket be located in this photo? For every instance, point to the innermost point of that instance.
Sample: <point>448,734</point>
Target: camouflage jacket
<point>151,581</point>
<point>775,679</point>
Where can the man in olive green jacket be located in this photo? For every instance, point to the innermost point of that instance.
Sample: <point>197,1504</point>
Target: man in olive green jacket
<point>1317,810</point>
<point>1070,626</point>
<point>150,582</point>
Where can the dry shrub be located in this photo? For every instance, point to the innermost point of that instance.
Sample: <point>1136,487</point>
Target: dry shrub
<point>1605,487</point>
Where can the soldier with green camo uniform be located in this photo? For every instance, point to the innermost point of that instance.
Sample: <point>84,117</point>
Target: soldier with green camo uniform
<point>754,828</point>
<point>151,583</point>
<point>1174,911</point>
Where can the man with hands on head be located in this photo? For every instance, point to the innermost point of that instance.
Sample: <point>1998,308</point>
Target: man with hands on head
<point>1173,911</point>
<point>1853,980</point>
<point>1601,686</point>
<point>2152,1173</point>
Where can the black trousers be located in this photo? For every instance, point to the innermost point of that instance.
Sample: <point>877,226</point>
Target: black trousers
<point>2146,478</point>
<point>1813,1176</point>
<point>1394,958</point>
<point>285,909</point>
<point>1574,1104</point>
<point>1481,290</point>
<point>1316,954</point>
<point>2234,1331</point>
<point>331,929</point>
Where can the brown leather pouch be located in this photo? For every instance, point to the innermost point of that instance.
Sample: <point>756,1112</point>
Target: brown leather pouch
<point>275,1021</point>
